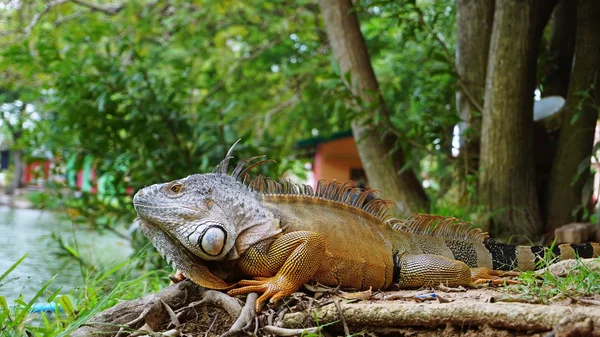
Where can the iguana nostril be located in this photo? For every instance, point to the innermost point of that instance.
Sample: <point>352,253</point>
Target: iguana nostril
<point>138,196</point>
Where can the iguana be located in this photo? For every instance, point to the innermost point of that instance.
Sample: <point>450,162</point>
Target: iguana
<point>219,228</point>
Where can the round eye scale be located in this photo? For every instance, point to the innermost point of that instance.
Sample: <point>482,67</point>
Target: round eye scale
<point>213,241</point>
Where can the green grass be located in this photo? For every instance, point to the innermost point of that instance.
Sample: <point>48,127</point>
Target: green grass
<point>99,291</point>
<point>579,281</point>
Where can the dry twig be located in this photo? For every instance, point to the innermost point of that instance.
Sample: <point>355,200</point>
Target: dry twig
<point>341,314</point>
<point>277,331</point>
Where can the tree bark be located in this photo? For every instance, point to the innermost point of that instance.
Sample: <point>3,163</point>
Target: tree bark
<point>385,170</point>
<point>511,317</point>
<point>474,21</point>
<point>18,167</point>
<point>560,49</point>
<point>507,181</point>
<point>555,73</point>
<point>579,120</point>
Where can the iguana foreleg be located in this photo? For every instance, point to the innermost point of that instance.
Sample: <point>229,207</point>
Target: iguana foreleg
<point>282,266</point>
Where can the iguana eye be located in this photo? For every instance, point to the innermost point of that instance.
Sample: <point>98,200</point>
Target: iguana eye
<point>213,241</point>
<point>176,188</point>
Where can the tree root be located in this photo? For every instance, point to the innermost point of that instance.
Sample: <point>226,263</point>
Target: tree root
<point>190,310</point>
<point>245,318</point>
<point>277,331</point>
<point>156,310</point>
<point>506,316</point>
<point>576,325</point>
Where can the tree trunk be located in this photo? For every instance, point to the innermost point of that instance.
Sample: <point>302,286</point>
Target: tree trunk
<point>385,170</point>
<point>560,49</point>
<point>507,180</point>
<point>19,170</point>
<point>556,71</point>
<point>579,121</point>
<point>474,21</point>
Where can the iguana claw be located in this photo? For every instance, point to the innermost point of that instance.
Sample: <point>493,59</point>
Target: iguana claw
<point>178,277</point>
<point>273,288</point>
<point>496,277</point>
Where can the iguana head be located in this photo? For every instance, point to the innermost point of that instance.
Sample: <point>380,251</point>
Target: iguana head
<point>213,215</point>
<point>189,210</point>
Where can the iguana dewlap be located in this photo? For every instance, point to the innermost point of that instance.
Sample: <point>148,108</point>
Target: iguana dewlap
<point>272,238</point>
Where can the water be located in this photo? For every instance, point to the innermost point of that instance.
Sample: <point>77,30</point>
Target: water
<point>29,231</point>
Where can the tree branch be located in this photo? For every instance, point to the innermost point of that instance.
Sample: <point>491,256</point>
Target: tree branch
<point>448,55</point>
<point>69,17</point>
<point>467,93</point>
<point>36,18</point>
<point>108,10</point>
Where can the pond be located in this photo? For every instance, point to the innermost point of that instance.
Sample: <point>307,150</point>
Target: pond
<point>28,231</point>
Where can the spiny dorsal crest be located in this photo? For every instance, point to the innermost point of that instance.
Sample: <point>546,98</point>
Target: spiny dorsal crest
<point>437,225</point>
<point>224,164</point>
<point>347,193</point>
<point>242,169</point>
<point>350,194</point>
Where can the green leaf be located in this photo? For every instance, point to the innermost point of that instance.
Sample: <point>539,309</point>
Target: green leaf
<point>587,191</point>
<point>67,305</point>
<point>3,304</point>
<point>12,267</point>
<point>583,166</point>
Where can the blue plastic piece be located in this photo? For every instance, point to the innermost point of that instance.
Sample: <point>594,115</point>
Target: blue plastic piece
<point>426,296</point>
<point>45,307</point>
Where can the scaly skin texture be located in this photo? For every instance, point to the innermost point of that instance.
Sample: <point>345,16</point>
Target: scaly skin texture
<point>272,238</point>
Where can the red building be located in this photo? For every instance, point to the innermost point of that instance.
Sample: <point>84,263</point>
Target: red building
<point>335,157</point>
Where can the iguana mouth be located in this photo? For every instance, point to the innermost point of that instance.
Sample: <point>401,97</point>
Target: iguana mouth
<point>175,241</point>
<point>153,213</point>
<point>144,205</point>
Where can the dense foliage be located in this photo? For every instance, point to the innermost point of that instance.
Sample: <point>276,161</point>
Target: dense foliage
<point>152,91</point>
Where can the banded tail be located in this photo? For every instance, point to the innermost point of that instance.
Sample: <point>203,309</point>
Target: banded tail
<point>511,257</point>
<point>461,241</point>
